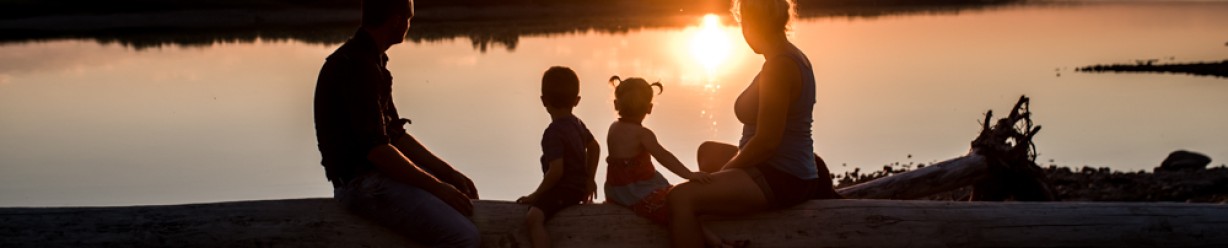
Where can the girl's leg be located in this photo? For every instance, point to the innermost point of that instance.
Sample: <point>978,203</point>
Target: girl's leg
<point>712,155</point>
<point>730,192</point>
<point>535,222</point>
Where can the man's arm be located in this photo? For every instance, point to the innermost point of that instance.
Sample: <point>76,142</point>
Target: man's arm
<point>389,161</point>
<point>424,158</point>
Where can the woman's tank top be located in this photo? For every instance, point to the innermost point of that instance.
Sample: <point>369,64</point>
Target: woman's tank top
<point>795,154</point>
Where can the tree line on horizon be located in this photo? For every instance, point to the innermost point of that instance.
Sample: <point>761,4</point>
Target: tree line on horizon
<point>12,9</point>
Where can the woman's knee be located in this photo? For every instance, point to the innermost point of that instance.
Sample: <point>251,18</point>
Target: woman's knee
<point>712,155</point>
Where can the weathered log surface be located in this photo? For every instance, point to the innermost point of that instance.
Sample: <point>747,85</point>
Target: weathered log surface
<point>827,223</point>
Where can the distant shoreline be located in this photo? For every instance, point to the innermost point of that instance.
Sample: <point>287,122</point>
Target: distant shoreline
<point>487,26</point>
<point>66,15</point>
<point>1210,68</point>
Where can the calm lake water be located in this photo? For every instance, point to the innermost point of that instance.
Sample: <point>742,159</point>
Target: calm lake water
<point>84,122</point>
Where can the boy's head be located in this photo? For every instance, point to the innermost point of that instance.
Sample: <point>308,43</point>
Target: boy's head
<point>633,96</point>
<point>560,88</point>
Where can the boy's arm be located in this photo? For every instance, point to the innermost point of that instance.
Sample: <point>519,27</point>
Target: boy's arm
<point>593,150</point>
<point>553,174</point>
<point>667,159</point>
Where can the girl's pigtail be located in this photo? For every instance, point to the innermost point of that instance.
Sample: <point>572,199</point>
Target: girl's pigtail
<point>659,86</point>
<point>615,79</point>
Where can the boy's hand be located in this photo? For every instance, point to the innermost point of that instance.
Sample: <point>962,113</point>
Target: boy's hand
<point>701,177</point>
<point>592,192</point>
<point>453,198</point>
<point>528,199</point>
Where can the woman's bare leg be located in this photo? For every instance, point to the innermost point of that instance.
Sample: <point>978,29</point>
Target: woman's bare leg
<point>730,192</point>
<point>712,155</point>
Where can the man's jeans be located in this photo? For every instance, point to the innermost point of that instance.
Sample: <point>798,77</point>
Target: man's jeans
<point>408,210</point>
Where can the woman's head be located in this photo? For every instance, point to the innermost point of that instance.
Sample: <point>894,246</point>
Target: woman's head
<point>633,96</point>
<point>763,19</point>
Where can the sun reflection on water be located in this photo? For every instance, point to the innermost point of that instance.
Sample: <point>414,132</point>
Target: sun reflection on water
<point>710,48</point>
<point>710,45</point>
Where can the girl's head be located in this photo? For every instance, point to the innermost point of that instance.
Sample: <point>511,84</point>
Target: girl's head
<point>763,19</point>
<point>633,96</point>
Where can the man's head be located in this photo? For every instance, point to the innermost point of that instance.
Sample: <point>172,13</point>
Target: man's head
<point>560,88</point>
<point>387,20</point>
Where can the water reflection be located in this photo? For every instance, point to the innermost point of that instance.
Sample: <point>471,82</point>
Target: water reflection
<point>710,45</point>
<point>483,34</point>
<point>232,121</point>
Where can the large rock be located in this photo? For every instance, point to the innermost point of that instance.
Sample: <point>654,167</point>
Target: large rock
<point>1184,160</point>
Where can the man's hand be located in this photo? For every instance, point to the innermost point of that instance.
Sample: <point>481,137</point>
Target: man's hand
<point>464,184</point>
<point>454,198</point>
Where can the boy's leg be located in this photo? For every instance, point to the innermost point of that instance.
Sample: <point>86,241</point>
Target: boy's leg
<point>535,223</point>
<point>413,212</point>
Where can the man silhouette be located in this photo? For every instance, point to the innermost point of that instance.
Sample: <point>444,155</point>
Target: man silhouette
<point>378,170</point>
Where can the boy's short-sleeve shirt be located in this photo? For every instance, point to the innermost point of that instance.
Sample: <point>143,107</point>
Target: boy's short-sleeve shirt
<point>566,138</point>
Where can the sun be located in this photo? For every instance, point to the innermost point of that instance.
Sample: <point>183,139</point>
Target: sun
<point>710,45</point>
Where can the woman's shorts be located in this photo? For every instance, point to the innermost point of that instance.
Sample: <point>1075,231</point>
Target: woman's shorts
<point>782,189</point>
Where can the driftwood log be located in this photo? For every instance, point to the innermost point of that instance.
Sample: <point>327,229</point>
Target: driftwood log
<point>1000,166</point>
<point>819,223</point>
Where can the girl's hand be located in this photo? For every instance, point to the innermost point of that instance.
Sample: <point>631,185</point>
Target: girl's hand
<point>701,177</point>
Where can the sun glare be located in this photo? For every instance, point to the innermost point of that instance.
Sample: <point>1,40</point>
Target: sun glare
<point>710,45</point>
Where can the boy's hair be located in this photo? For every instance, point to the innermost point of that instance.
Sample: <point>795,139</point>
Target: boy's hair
<point>634,95</point>
<point>560,87</point>
<point>377,12</point>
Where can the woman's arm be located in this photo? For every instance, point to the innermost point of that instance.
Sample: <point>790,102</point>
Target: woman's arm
<point>779,85</point>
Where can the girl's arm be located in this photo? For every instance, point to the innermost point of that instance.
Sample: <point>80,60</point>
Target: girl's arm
<point>779,84</point>
<point>667,159</point>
